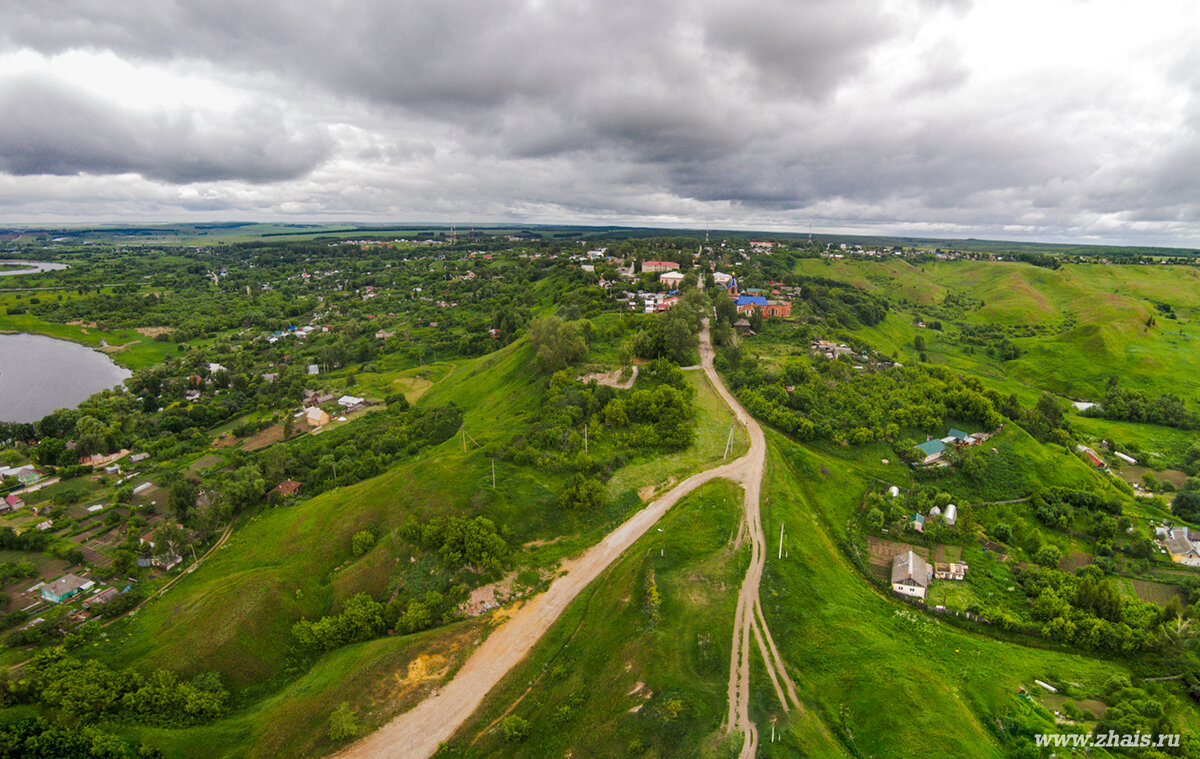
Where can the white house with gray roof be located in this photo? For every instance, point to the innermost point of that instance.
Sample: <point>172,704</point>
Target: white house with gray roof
<point>911,574</point>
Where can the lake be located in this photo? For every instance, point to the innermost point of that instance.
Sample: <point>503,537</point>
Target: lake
<point>28,267</point>
<point>40,374</point>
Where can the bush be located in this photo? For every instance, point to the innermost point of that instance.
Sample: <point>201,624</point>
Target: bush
<point>343,723</point>
<point>362,542</point>
<point>515,729</point>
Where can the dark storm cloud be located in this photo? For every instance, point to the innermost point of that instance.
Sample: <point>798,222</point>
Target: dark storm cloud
<point>53,128</point>
<point>765,109</point>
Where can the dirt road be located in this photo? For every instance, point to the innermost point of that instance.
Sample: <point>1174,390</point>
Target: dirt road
<point>417,733</point>
<point>748,619</point>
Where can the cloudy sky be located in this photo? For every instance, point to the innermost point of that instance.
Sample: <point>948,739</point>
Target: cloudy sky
<point>1046,119</point>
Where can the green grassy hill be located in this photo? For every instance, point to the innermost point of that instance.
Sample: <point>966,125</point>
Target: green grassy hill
<point>234,615</point>
<point>889,680</point>
<point>1092,320</point>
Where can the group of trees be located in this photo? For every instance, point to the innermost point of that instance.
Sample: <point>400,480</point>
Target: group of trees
<point>363,618</point>
<point>1084,609</point>
<point>89,690</point>
<point>837,403</point>
<point>594,428</point>
<point>461,541</point>
<point>1139,406</point>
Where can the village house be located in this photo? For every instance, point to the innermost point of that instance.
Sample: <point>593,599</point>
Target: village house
<point>316,417</point>
<point>918,522</point>
<point>103,596</point>
<point>138,457</point>
<point>287,488</point>
<point>352,403</point>
<point>65,587</point>
<point>949,571</point>
<point>931,450</point>
<point>743,326</point>
<point>12,503</point>
<point>1092,456</point>
<point>1182,547</point>
<point>656,267</point>
<point>829,349</point>
<point>727,281</point>
<point>910,575</point>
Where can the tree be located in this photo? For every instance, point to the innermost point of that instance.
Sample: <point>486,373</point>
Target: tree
<point>182,498</point>
<point>1186,505</point>
<point>1047,556</point>
<point>343,723</point>
<point>584,494</point>
<point>246,486</point>
<point>556,343</point>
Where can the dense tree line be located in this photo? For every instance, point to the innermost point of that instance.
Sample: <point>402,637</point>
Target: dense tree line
<point>1139,406</point>
<point>91,691</point>
<point>833,401</point>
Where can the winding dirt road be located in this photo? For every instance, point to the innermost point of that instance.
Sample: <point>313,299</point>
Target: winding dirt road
<point>417,733</point>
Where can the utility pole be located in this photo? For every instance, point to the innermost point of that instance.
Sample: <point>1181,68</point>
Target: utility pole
<point>781,540</point>
<point>493,473</point>
<point>585,440</point>
<point>663,551</point>
<point>728,443</point>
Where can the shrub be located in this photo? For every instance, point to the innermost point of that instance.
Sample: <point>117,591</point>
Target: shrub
<point>343,723</point>
<point>515,729</point>
<point>362,542</point>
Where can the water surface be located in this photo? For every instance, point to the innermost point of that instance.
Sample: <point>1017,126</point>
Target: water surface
<point>40,374</point>
<point>27,267</point>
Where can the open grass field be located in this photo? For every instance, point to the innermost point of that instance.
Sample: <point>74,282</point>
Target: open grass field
<point>1094,320</point>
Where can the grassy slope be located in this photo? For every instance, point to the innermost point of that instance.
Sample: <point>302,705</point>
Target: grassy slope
<point>892,681</point>
<point>1111,305</point>
<point>379,679</point>
<point>594,659</point>
<point>234,615</point>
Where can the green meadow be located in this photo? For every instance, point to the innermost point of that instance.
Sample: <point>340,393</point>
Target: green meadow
<point>887,679</point>
<point>1093,321</point>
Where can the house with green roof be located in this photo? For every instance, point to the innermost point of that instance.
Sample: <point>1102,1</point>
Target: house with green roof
<point>932,450</point>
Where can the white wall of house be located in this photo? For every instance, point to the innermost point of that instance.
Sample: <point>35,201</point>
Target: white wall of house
<point>909,590</point>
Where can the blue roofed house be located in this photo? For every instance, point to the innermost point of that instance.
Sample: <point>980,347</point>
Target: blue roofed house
<point>931,449</point>
<point>747,303</point>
